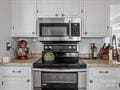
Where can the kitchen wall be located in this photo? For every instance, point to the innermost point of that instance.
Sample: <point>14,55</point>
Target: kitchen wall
<point>4,28</point>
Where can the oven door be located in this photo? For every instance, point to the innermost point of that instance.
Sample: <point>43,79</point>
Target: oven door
<point>59,80</point>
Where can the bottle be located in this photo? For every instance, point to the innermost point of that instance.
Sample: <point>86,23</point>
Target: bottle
<point>93,51</point>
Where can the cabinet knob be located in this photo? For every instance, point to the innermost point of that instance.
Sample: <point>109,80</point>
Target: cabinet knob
<point>33,32</point>
<point>28,80</point>
<point>81,10</point>
<point>103,72</point>
<point>86,33</point>
<point>63,15</point>
<point>91,81</point>
<point>56,14</point>
<point>13,71</point>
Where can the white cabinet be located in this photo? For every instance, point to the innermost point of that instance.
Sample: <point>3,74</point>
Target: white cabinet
<point>17,83</point>
<point>59,8</point>
<point>103,78</point>
<point>1,78</point>
<point>0,82</point>
<point>17,78</point>
<point>23,18</point>
<point>96,18</point>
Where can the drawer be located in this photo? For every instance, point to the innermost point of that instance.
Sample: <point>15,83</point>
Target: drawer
<point>104,72</point>
<point>17,71</point>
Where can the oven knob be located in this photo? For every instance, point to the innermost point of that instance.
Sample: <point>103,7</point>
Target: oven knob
<point>46,47</point>
<point>74,47</point>
<point>50,47</point>
<point>70,47</point>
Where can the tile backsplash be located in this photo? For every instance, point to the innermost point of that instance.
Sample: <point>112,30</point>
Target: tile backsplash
<point>84,46</point>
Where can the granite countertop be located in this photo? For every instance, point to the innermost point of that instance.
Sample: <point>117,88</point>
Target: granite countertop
<point>100,63</point>
<point>23,63</point>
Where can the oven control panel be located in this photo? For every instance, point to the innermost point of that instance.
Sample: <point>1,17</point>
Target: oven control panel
<point>61,47</point>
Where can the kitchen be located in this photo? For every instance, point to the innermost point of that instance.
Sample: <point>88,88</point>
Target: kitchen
<point>19,19</point>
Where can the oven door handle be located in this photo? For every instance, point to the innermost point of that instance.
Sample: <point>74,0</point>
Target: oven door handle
<point>59,70</point>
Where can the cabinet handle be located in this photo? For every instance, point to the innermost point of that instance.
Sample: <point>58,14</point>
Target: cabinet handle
<point>107,27</point>
<point>63,15</point>
<point>16,71</point>
<point>13,27</point>
<point>103,72</point>
<point>91,81</point>
<point>33,32</point>
<point>86,33</point>
<point>56,14</point>
<point>37,11</point>
<point>81,10</point>
<point>28,80</point>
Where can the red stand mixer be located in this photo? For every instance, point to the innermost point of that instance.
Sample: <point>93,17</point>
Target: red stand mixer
<point>22,50</point>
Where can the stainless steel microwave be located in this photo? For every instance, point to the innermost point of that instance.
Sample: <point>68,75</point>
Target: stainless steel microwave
<point>68,30</point>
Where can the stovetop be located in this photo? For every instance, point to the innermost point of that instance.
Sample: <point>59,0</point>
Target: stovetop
<point>79,65</point>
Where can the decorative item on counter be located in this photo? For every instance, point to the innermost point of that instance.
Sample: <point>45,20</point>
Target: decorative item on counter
<point>105,55</point>
<point>22,50</point>
<point>6,59</point>
<point>115,53</point>
<point>48,56</point>
<point>93,51</point>
<point>100,54</point>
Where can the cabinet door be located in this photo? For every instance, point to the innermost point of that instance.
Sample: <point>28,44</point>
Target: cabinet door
<point>72,7</point>
<point>95,19</point>
<point>23,18</point>
<point>17,83</point>
<point>102,84</point>
<point>1,83</point>
<point>47,8</point>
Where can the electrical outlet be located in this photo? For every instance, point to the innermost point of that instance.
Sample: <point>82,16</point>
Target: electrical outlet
<point>8,46</point>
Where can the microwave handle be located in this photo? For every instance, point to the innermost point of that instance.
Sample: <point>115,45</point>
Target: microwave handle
<point>69,29</point>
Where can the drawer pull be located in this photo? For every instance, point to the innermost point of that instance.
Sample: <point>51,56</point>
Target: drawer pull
<point>28,80</point>
<point>103,72</point>
<point>16,71</point>
<point>91,81</point>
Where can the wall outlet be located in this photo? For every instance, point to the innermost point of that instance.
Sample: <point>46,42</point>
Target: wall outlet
<point>8,46</point>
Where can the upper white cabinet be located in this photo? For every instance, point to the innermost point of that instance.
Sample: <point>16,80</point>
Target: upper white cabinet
<point>23,18</point>
<point>96,18</point>
<point>59,8</point>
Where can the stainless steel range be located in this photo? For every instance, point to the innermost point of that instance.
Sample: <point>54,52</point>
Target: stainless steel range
<point>65,72</point>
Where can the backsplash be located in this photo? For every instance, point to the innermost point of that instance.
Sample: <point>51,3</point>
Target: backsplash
<point>84,46</point>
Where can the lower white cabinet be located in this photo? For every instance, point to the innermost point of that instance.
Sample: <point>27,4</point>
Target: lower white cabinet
<point>103,78</point>
<point>17,83</point>
<point>17,78</point>
<point>0,82</point>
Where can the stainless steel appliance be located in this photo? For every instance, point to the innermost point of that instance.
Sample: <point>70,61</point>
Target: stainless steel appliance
<point>67,72</point>
<point>67,30</point>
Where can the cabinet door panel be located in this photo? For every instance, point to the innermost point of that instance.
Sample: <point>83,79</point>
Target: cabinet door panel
<point>95,19</point>
<point>1,83</point>
<point>46,8</point>
<point>23,14</point>
<point>17,83</point>
<point>72,7</point>
<point>101,84</point>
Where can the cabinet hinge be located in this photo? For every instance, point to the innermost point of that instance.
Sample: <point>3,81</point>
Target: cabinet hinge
<point>2,83</point>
